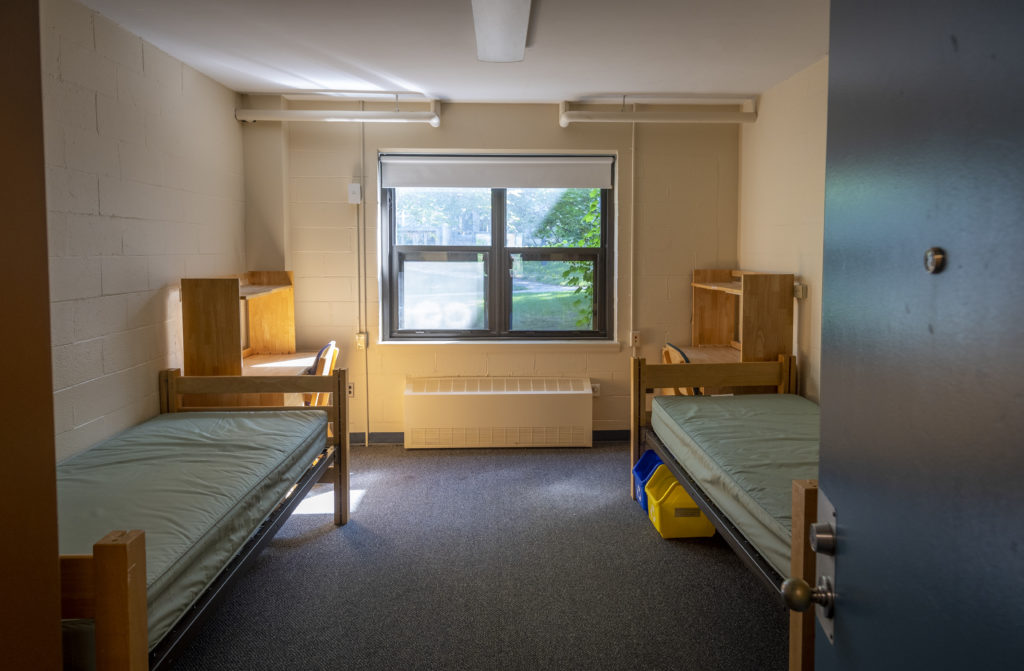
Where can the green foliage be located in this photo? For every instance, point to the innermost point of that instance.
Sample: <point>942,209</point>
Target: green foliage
<point>573,221</point>
<point>579,231</point>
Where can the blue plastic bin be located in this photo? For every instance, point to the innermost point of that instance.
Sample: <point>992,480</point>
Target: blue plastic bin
<point>642,472</point>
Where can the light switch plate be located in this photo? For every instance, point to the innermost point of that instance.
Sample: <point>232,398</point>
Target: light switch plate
<point>355,193</point>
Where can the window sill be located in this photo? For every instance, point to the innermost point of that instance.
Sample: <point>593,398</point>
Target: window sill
<point>587,345</point>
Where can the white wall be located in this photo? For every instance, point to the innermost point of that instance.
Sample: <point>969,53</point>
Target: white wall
<point>144,186</point>
<point>685,213</point>
<point>782,199</point>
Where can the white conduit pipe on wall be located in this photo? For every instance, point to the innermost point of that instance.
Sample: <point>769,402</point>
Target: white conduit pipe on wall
<point>363,297</point>
<point>745,111</point>
<point>632,238</point>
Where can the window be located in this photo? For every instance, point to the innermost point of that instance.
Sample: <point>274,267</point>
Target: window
<point>497,247</point>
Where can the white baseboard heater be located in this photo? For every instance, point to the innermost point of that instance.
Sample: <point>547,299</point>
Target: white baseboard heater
<point>498,412</point>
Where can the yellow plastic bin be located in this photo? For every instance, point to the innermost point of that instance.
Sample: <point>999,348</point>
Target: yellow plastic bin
<point>671,510</point>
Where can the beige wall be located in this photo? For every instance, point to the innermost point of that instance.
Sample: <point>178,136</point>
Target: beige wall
<point>782,199</point>
<point>266,189</point>
<point>144,186</point>
<point>145,175</point>
<point>685,213</point>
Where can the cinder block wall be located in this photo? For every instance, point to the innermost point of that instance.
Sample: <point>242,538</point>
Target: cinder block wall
<point>144,186</point>
<point>681,215</point>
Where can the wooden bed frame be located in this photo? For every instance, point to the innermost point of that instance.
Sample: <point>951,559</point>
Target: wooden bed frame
<point>109,586</point>
<point>781,375</point>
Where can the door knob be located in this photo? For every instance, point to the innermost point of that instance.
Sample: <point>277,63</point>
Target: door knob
<point>800,596</point>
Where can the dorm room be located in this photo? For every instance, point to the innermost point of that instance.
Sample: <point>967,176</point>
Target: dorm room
<point>152,181</point>
<point>130,169</point>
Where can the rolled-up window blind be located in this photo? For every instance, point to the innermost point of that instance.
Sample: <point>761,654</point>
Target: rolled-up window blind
<point>567,172</point>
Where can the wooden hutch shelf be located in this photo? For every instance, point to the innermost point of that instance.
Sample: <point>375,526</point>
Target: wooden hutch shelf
<point>229,320</point>
<point>740,316</point>
<point>225,319</point>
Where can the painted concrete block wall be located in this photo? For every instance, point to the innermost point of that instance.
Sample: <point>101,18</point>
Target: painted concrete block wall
<point>144,181</point>
<point>685,214</point>
<point>782,199</point>
<point>686,219</point>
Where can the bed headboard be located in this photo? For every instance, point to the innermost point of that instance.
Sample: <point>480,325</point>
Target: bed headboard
<point>645,378</point>
<point>173,385</point>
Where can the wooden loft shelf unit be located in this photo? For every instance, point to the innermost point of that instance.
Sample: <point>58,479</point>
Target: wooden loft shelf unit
<point>227,319</point>
<point>741,316</point>
<point>214,310</point>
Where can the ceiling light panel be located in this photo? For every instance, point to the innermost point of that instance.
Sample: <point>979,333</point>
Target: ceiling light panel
<point>501,27</point>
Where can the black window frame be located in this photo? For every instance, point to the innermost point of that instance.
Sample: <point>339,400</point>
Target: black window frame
<point>498,293</point>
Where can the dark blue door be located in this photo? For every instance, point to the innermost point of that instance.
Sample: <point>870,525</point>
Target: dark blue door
<point>922,382</point>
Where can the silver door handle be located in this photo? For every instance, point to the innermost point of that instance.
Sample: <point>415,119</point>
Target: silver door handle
<point>800,596</point>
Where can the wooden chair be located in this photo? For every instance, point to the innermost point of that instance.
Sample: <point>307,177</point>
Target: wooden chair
<point>672,354</point>
<point>324,366</point>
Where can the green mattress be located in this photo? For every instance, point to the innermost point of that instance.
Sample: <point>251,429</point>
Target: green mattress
<point>198,484</point>
<point>744,452</point>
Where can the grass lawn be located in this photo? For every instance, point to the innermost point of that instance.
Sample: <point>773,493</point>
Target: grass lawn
<point>548,311</point>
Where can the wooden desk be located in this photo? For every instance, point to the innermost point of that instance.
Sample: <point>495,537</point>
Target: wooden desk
<point>703,354</point>
<point>278,364</point>
<point>710,354</point>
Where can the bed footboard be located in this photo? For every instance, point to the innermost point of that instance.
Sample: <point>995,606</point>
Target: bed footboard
<point>109,586</point>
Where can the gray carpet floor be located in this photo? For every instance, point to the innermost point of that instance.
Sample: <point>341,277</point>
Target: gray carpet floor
<point>491,559</point>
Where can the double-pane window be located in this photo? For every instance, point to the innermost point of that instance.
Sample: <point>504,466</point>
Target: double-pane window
<point>497,261</point>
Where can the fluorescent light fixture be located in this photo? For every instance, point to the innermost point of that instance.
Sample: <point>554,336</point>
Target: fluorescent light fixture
<point>432,116</point>
<point>501,29</point>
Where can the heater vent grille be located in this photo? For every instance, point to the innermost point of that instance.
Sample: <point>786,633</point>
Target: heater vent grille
<point>498,412</point>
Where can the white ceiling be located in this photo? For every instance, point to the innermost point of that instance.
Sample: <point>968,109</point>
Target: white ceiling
<point>575,48</point>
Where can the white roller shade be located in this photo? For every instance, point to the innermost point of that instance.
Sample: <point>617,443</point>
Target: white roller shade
<point>580,172</point>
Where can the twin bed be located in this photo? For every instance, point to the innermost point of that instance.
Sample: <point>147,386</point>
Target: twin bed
<point>750,461</point>
<point>191,495</point>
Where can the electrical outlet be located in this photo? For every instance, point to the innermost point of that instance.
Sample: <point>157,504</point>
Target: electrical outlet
<point>361,340</point>
<point>595,388</point>
<point>350,388</point>
<point>634,338</point>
